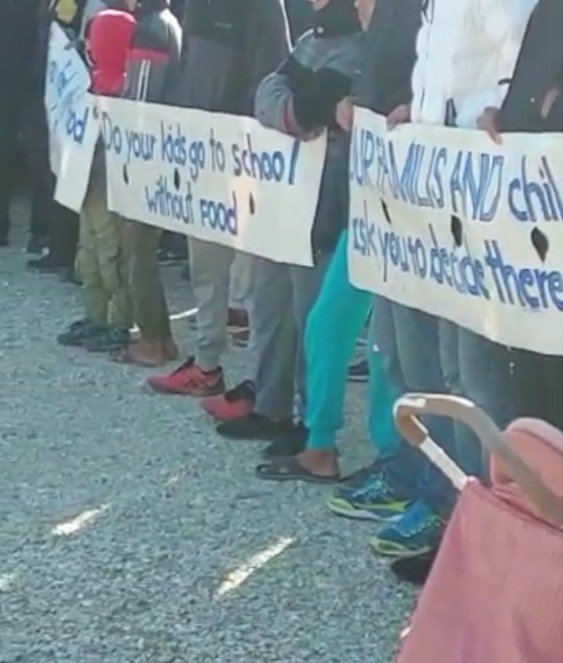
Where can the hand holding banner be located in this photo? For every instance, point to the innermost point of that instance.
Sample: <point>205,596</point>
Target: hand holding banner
<point>446,221</point>
<point>216,177</point>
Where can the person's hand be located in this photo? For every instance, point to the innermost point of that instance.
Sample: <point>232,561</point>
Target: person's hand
<point>311,135</point>
<point>401,115</point>
<point>489,122</point>
<point>548,101</point>
<point>345,114</point>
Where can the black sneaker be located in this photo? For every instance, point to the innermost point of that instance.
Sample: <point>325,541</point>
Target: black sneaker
<point>290,443</point>
<point>359,372</point>
<point>111,340</point>
<point>79,333</point>
<point>38,245</point>
<point>171,257</point>
<point>45,265</point>
<point>254,427</point>
<point>415,570</point>
<point>69,275</point>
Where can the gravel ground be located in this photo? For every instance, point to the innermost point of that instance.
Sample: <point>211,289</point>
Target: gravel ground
<point>131,533</point>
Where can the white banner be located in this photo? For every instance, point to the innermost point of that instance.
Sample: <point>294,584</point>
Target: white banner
<point>447,221</point>
<point>216,177</point>
<point>72,122</point>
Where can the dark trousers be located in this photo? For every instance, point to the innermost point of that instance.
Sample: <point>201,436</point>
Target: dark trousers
<point>9,115</point>
<point>538,386</point>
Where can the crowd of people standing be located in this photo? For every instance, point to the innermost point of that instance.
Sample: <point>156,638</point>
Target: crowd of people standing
<point>474,64</point>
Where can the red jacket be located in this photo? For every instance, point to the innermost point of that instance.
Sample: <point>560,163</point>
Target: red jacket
<point>108,38</point>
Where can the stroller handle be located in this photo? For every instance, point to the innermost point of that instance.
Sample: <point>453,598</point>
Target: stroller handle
<point>411,406</point>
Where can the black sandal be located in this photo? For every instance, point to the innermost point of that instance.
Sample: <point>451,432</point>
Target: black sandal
<point>290,469</point>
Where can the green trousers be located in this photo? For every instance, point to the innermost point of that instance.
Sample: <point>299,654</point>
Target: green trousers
<point>333,328</point>
<point>145,286</point>
<point>101,259</point>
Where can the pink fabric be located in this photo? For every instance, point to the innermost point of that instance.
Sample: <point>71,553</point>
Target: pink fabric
<point>495,594</point>
<point>109,40</point>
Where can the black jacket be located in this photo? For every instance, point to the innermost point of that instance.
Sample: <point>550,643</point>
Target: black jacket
<point>538,69</point>
<point>228,48</point>
<point>155,53</point>
<point>389,56</point>
<point>17,33</point>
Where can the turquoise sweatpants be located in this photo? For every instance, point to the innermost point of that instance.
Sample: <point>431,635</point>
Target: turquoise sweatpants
<point>333,327</point>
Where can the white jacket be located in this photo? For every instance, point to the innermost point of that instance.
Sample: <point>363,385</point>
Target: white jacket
<point>467,51</point>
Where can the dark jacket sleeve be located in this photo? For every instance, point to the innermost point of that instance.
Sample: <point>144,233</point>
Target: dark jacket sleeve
<point>154,58</point>
<point>538,69</point>
<point>268,41</point>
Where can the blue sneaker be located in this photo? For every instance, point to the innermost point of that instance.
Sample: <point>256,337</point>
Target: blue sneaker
<point>372,499</point>
<point>418,532</point>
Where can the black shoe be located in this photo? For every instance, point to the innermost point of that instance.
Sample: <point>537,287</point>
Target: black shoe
<point>291,443</point>
<point>69,275</point>
<point>45,265</point>
<point>240,338</point>
<point>254,427</point>
<point>37,244</point>
<point>415,569</point>
<point>79,333</point>
<point>4,241</point>
<point>111,340</point>
<point>171,256</point>
<point>359,372</point>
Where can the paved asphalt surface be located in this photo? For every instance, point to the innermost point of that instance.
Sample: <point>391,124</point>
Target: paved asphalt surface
<point>131,533</point>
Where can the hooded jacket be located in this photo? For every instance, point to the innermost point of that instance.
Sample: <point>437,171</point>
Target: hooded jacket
<point>17,32</point>
<point>108,39</point>
<point>466,50</point>
<point>539,69</point>
<point>228,48</point>
<point>155,52</point>
<point>302,97</point>
<point>388,56</point>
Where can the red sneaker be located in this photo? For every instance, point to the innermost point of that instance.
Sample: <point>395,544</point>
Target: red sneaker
<point>235,404</point>
<point>189,380</point>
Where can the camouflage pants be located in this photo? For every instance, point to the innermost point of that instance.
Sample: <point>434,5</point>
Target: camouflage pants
<point>101,260</point>
<point>145,285</point>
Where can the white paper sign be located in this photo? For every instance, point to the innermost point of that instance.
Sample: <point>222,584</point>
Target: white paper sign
<point>216,177</point>
<point>445,221</point>
<point>72,122</point>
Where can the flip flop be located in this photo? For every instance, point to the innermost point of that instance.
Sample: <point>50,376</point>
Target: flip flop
<point>290,469</point>
<point>124,356</point>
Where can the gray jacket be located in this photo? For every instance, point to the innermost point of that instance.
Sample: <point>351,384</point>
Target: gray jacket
<point>300,98</point>
<point>229,46</point>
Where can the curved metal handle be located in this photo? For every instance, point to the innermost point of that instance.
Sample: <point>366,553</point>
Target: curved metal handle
<point>411,406</point>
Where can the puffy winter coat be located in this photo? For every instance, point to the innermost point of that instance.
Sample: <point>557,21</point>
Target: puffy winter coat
<point>538,70</point>
<point>155,52</point>
<point>302,96</point>
<point>108,38</point>
<point>466,53</point>
<point>228,48</point>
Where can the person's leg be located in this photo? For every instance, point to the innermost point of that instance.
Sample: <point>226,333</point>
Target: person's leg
<point>331,332</point>
<point>486,378</point>
<point>538,386</point>
<point>109,229</point>
<point>385,379</point>
<point>155,346</point>
<point>64,234</point>
<point>242,281</point>
<point>96,297</point>
<point>210,272</point>
<point>275,334</point>
<point>467,445</point>
<point>417,335</point>
<point>147,293</point>
<point>8,133</point>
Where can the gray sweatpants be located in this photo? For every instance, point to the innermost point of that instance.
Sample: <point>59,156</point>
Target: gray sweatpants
<point>210,267</point>
<point>283,297</point>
